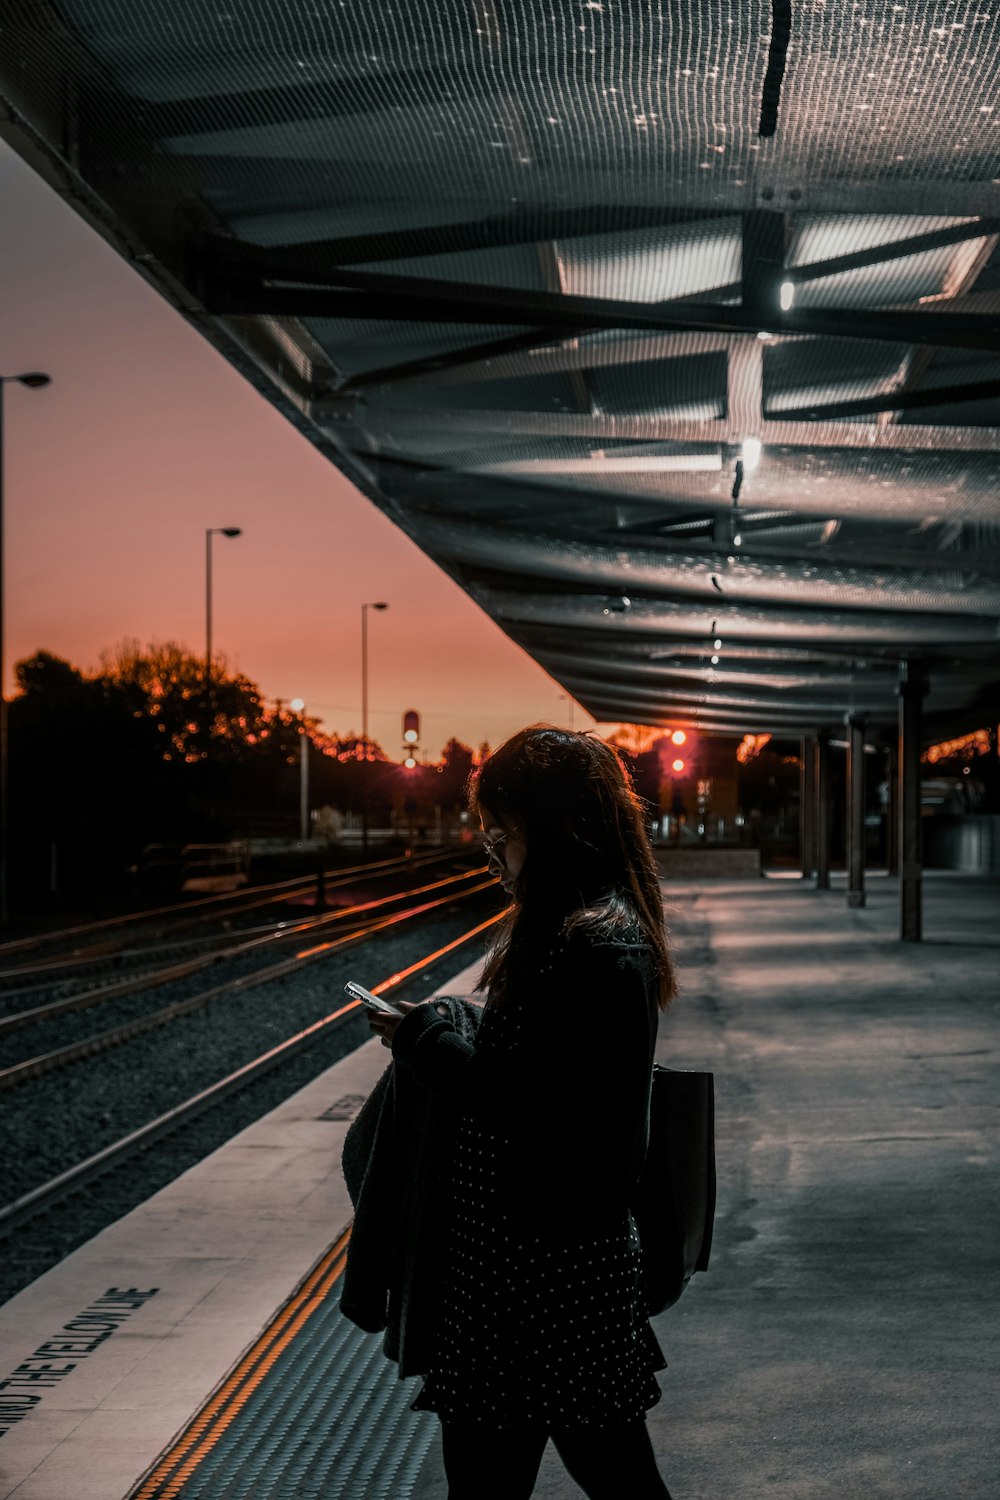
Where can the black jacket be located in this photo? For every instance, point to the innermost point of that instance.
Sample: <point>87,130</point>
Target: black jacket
<point>571,1099</point>
<point>397,1161</point>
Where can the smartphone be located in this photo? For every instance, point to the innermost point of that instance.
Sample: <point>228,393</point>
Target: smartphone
<point>358,992</point>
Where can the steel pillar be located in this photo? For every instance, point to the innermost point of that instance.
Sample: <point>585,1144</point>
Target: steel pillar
<point>912,686</point>
<point>822,805</point>
<point>855,810</point>
<point>892,810</point>
<point>807,807</point>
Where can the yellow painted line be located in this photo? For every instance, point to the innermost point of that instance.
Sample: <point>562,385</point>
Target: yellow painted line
<point>175,1468</point>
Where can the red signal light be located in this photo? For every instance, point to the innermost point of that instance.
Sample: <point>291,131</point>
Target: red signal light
<point>678,765</point>
<point>678,737</point>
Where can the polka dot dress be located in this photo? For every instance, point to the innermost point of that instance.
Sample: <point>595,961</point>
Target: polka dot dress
<point>534,1326</point>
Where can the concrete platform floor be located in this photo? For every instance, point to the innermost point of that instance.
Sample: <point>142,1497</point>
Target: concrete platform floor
<point>844,1342</point>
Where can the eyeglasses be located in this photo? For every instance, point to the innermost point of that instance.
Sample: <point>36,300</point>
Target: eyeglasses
<point>492,845</point>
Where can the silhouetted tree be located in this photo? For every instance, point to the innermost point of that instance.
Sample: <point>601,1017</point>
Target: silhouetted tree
<point>457,761</point>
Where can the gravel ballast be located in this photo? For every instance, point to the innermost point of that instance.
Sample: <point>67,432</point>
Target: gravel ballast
<point>52,1122</point>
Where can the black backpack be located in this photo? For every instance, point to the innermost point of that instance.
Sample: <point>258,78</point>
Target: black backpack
<point>673,1202</point>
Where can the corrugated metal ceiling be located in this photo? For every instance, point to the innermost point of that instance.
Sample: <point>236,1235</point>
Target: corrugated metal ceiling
<point>532,274</point>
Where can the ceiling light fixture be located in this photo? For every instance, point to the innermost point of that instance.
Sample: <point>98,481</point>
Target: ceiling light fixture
<point>751,453</point>
<point>787,295</point>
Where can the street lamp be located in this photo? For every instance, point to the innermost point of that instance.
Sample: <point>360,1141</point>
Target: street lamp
<point>298,706</point>
<point>211,531</point>
<point>34,380</point>
<point>364,721</point>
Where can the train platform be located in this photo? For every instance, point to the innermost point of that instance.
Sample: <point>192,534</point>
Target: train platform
<point>842,1343</point>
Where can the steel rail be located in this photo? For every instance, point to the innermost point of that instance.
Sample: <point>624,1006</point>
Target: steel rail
<point>48,1193</point>
<point>102,1041</point>
<point>149,981</point>
<point>304,882</point>
<point>71,962</point>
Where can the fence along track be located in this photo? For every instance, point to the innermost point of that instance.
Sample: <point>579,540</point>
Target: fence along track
<point>50,1062</point>
<point>48,1193</point>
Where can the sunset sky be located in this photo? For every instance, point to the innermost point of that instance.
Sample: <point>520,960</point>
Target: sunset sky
<point>147,436</point>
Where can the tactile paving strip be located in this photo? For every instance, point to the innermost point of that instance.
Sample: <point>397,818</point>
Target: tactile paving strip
<point>313,1409</point>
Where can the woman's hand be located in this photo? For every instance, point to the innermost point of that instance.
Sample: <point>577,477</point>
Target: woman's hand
<point>384,1025</point>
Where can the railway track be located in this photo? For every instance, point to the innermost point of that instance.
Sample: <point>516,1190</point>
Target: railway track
<point>158,962</point>
<point>363,919</point>
<point>41,1199</point>
<point>108,937</point>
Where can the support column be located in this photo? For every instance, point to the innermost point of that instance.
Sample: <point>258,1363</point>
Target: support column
<point>912,686</point>
<point>822,770</point>
<point>892,810</point>
<point>807,807</point>
<point>855,810</point>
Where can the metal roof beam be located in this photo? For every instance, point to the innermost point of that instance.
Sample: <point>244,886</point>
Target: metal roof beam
<point>877,255</point>
<point>406,299</point>
<point>962,658</point>
<point>897,400</point>
<point>796,626</point>
<point>782,704</point>
<point>552,354</point>
<point>551,561</point>
<point>393,418</point>
<point>645,672</point>
<point>439,491</point>
<point>703,715</point>
<point>535,225</point>
<point>524,226</point>
<point>454,359</point>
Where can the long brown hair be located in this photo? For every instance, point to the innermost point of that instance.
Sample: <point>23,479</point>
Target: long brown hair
<point>589,863</point>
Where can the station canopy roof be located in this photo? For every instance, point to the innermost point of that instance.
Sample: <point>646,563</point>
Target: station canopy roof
<point>657,325</point>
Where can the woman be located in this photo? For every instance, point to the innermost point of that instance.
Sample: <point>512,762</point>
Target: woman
<point>543,1330</point>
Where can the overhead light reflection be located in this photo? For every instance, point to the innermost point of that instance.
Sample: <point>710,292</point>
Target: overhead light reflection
<point>751,453</point>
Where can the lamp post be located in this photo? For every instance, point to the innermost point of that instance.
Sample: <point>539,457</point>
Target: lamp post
<point>211,531</point>
<point>364,721</point>
<point>34,380</point>
<point>298,706</point>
